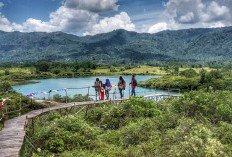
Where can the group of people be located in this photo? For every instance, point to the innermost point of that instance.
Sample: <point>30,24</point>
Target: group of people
<point>104,88</point>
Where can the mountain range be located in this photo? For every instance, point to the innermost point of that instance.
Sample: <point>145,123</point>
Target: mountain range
<point>119,46</point>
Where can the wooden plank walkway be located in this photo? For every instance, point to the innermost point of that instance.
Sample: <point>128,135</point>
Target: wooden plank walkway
<point>13,133</point>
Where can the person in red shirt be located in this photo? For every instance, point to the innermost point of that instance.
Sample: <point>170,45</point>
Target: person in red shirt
<point>133,85</point>
<point>102,90</point>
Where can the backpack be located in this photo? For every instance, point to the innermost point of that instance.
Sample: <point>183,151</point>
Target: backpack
<point>135,82</point>
<point>108,88</point>
<point>124,85</point>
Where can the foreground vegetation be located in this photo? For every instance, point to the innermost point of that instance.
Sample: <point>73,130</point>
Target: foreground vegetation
<point>197,124</point>
<point>16,100</point>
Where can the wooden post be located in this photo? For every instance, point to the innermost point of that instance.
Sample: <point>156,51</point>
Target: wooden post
<point>33,125</point>
<point>145,89</point>
<point>155,88</point>
<point>26,123</point>
<point>66,98</point>
<point>115,93</point>
<point>6,110</point>
<point>49,96</point>
<point>67,112</point>
<point>20,105</point>
<point>86,111</point>
<point>3,117</point>
<point>88,92</point>
<point>129,92</point>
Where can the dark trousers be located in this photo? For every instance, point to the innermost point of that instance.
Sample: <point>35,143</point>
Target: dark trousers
<point>133,92</point>
<point>121,94</point>
<point>107,94</point>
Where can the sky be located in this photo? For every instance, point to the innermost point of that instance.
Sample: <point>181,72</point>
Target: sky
<point>90,17</point>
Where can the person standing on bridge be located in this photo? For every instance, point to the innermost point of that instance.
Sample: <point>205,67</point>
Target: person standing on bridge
<point>121,86</point>
<point>97,86</point>
<point>102,89</point>
<point>133,85</point>
<point>107,88</point>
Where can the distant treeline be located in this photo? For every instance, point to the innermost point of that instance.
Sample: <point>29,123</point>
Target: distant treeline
<point>46,66</point>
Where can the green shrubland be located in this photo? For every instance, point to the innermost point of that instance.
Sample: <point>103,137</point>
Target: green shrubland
<point>189,79</point>
<point>197,124</point>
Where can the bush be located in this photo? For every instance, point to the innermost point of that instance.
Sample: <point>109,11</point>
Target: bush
<point>216,106</point>
<point>188,73</point>
<point>112,69</point>
<point>42,66</point>
<point>7,72</point>
<point>197,124</point>
<point>5,87</point>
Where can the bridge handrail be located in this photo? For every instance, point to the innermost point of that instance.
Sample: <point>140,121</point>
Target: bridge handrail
<point>114,93</point>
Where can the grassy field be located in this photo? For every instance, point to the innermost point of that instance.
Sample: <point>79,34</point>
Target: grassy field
<point>140,70</point>
<point>17,70</point>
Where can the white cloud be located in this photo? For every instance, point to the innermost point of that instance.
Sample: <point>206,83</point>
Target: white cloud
<point>1,5</point>
<point>195,11</point>
<point>92,5</point>
<point>66,18</point>
<point>72,20</point>
<point>214,12</point>
<point>214,25</point>
<point>4,24</point>
<point>184,11</point>
<point>187,18</point>
<point>63,19</point>
<point>38,26</point>
<point>158,27</point>
<point>120,21</point>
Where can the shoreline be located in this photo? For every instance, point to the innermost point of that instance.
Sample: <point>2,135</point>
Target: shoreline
<point>30,81</point>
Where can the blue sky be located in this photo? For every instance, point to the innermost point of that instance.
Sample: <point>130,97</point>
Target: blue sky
<point>89,17</point>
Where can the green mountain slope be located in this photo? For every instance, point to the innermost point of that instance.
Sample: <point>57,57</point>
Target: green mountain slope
<point>120,46</point>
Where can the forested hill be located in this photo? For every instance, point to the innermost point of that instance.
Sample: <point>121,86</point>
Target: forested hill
<point>120,46</point>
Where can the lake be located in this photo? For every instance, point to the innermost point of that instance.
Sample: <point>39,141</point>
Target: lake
<point>56,84</point>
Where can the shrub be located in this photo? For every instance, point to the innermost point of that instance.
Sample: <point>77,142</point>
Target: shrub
<point>7,72</point>
<point>188,73</point>
<point>5,87</point>
<point>216,106</point>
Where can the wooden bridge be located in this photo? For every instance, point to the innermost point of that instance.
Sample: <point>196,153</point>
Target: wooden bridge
<point>13,134</point>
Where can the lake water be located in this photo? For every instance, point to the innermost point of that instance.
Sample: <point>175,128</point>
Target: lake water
<point>56,84</point>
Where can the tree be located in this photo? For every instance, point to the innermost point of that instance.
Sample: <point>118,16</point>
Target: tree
<point>76,66</point>
<point>188,73</point>
<point>5,87</point>
<point>202,76</point>
<point>7,72</point>
<point>42,66</point>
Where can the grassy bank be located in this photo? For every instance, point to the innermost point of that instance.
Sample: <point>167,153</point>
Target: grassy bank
<point>191,79</point>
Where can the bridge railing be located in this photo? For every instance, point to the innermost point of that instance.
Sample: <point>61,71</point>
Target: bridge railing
<point>5,111</point>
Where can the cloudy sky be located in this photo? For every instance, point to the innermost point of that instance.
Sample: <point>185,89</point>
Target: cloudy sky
<point>90,17</point>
